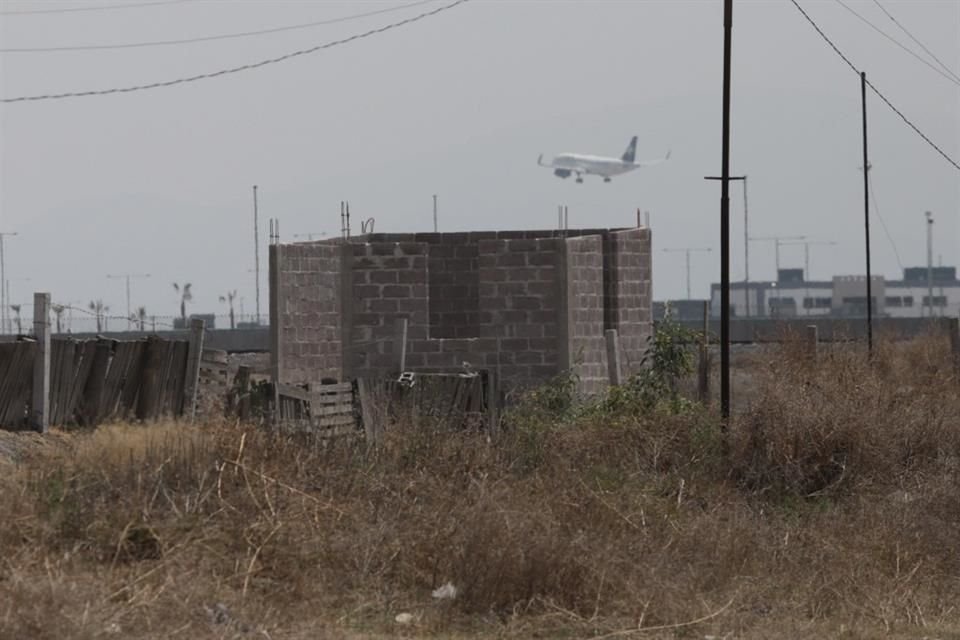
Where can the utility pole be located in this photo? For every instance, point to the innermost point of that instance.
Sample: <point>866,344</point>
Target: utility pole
<point>929,216</point>
<point>866,211</point>
<point>256,250</point>
<point>725,220</point>
<point>777,241</point>
<point>688,251</point>
<point>435,213</point>
<point>127,276</point>
<point>4,298</point>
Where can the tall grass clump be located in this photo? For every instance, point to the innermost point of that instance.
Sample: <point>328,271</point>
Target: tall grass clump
<point>828,508</point>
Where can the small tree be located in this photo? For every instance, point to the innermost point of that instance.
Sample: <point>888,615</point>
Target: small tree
<point>99,309</point>
<point>58,310</point>
<point>186,295</point>
<point>229,298</point>
<point>16,310</point>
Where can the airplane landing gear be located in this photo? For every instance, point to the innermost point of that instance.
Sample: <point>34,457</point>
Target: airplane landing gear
<point>579,179</point>
<point>606,179</point>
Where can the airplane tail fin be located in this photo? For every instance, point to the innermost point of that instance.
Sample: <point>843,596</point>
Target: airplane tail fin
<point>631,153</point>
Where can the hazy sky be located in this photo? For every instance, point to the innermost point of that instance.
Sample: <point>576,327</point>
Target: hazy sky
<point>460,105</point>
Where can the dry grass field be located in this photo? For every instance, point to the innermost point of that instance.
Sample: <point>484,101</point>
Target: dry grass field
<point>831,509</point>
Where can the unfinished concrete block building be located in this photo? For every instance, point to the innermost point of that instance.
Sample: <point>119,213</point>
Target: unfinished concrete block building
<point>527,305</point>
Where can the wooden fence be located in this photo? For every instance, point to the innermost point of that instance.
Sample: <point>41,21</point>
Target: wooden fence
<point>94,381</point>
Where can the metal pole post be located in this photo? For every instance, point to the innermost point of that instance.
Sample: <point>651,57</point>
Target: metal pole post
<point>688,273</point>
<point>725,221</point>
<point>256,250</point>
<point>866,211</point>
<point>435,213</point>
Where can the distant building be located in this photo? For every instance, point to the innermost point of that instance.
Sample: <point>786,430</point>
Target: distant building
<point>844,296</point>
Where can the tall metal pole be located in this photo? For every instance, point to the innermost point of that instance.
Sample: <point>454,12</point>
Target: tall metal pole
<point>126,277</point>
<point>930,310</point>
<point>866,211</point>
<point>688,251</point>
<point>725,221</point>
<point>256,250</point>
<point>746,250</point>
<point>435,227</point>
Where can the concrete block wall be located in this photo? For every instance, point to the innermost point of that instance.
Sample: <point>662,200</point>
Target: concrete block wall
<point>307,311</point>
<point>586,345</point>
<point>529,304</point>
<point>628,304</point>
<point>389,281</point>
<point>522,302</point>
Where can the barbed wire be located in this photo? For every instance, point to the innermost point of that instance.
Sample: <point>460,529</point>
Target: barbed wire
<point>238,69</point>
<point>224,36</point>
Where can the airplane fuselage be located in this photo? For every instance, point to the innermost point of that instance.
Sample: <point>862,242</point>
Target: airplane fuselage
<point>593,165</point>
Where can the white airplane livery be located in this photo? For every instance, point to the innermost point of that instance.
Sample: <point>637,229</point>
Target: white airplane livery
<point>567,164</point>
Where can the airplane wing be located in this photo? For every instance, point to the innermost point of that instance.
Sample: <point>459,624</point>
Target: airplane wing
<point>651,163</point>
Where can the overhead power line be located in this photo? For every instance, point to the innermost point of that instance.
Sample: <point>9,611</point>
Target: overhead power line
<point>897,42</point>
<point>224,36</point>
<point>245,67</point>
<point>874,88</point>
<point>99,7</point>
<point>911,36</point>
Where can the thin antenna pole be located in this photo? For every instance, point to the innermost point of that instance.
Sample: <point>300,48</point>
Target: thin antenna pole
<point>348,219</point>
<point>866,211</point>
<point>435,213</point>
<point>256,250</point>
<point>566,218</point>
<point>560,217</point>
<point>746,249</point>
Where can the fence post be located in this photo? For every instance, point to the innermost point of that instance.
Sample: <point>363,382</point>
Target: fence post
<point>614,370</point>
<point>811,341</point>
<point>400,344</point>
<point>194,353</point>
<point>41,363</point>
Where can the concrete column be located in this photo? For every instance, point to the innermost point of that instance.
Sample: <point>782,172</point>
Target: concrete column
<point>40,416</point>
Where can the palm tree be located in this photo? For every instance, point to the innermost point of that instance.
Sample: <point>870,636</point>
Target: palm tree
<point>16,309</point>
<point>99,309</point>
<point>229,298</point>
<point>58,310</point>
<point>185,296</point>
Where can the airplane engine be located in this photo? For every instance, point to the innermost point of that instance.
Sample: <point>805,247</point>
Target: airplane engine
<point>562,173</point>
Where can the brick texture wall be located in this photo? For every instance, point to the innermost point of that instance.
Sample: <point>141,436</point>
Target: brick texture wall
<point>528,304</point>
<point>306,312</point>
<point>389,281</point>
<point>628,294</point>
<point>586,347</point>
<point>521,302</point>
<point>454,286</point>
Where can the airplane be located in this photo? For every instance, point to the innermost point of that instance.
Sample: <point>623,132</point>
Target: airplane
<point>566,164</point>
